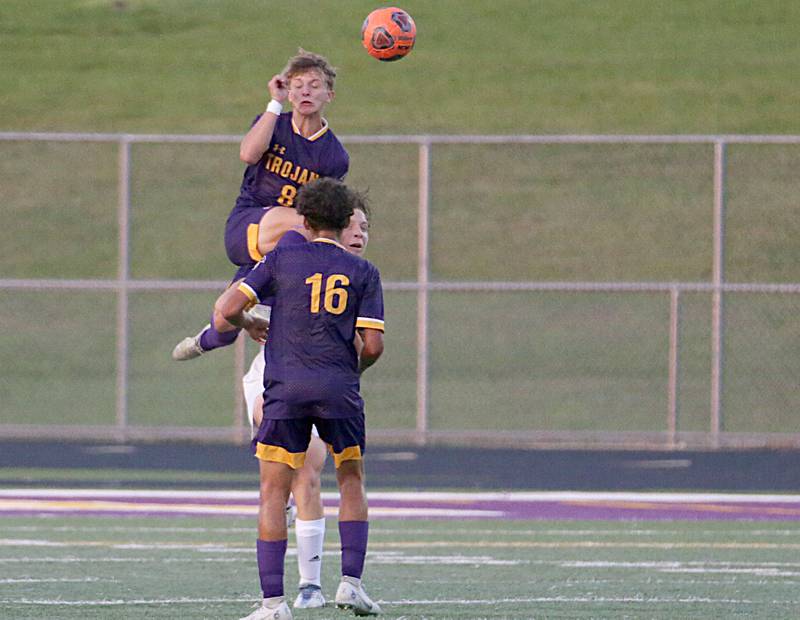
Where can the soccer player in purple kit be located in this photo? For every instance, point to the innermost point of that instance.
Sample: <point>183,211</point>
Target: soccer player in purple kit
<point>322,293</point>
<point>284,151</point>
<point>306,485</point>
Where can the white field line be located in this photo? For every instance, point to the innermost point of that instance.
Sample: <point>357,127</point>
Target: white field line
<point>53,580</point>
<point>639,599</point>
<point>137,529</point>
<point>745,568</point>
<point>629,580</point>
<point>82,560</point>
<point>764,569</point>
<point>666,564</point>
<point>758,572</point>
<point>51,505</point>
<point>524,496</point>
<point>443,560</point>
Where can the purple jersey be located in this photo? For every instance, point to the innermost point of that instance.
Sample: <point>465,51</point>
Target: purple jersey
<point>291,237</point>
<point>321,294</point>
<point>290,162</point>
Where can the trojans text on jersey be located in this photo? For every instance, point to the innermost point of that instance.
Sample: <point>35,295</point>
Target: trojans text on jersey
<point>287,168</point>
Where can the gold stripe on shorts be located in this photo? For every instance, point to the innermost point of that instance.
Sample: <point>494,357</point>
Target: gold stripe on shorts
<point>252,242</point>
<point>276,454</point>
<point>353,453</point>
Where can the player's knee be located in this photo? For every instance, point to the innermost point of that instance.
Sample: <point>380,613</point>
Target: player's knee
<point>272,492</point>
<point>350,477</point>
<point>306,482</point>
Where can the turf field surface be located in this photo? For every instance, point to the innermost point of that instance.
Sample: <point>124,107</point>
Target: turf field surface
<point>604,565</point>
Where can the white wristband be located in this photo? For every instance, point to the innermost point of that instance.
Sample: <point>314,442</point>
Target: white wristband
<point>274,106</point>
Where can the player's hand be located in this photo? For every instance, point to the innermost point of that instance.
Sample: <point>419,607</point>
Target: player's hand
<point>257,328</point>
<point>279,87</point>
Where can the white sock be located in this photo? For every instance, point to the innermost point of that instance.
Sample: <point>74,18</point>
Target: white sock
<point>310,538</point>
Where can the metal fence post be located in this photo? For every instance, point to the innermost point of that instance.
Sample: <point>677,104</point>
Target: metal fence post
<point>674,361</point>
<point>123,285</point>
<point>718,278</point>
<point>123,277</point>
<point>423,222</point>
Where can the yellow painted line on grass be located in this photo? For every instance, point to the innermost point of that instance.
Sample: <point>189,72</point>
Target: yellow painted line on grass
<point>55,505</point>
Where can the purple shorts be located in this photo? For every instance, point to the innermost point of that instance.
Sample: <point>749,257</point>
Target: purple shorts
<point>241,234</point>
<point>286,441</point>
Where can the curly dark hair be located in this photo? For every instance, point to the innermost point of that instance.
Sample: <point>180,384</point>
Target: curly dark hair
<point>328,204</point>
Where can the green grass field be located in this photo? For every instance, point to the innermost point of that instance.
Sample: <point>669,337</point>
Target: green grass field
<point>553,66</point>
<point>108,568</point>
<point>561,361</point>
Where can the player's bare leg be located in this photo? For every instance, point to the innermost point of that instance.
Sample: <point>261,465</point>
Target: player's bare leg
<point>353,531</point>
<point>310,525</point>
<point>276,481</point>
<point>207,339</point>
<point>276,222</point>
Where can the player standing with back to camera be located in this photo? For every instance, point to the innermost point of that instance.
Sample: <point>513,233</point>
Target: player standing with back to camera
<point>322,293</point>
<point>284,151</point>
<point>306,485</point>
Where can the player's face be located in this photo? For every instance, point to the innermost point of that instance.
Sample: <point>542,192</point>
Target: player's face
<point>308,92</point>
<point>356,236</point>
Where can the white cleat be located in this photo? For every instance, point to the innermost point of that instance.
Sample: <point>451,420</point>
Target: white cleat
<point>351,595</point>
<point>278,610</point>
<point>189,348</point>
<point>310,597</point>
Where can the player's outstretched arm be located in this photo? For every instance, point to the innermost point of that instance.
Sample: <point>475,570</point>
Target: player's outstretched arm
<point>230,308</point>
<point>256,141</point>
<point>372,349</point>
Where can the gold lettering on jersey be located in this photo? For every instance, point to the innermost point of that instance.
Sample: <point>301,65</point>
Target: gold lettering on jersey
<point>273,163</point>
<point>286,168</point>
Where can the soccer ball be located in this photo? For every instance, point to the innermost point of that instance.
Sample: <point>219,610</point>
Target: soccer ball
<point>388,33</point>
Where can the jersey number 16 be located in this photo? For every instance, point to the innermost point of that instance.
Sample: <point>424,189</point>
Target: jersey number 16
<point>335,300</point>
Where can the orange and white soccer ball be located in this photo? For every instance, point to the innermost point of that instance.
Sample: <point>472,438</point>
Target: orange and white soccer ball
<point>388,33</point>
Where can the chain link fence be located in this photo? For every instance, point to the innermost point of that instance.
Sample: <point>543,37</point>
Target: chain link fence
<point>540,290</point>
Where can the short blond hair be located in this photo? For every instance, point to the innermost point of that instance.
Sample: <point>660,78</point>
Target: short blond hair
<point>305,61</point>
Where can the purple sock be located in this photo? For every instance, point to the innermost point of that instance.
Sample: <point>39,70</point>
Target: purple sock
<point>354,536</point>
<point>270,556</point>
<point>211,339</point>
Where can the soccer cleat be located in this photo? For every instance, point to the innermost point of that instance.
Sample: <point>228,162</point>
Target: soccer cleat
<point>280,611</point>
<point>189,348</point>
<point>351,595</point>
<point>291,515</point>
<point>310,597</point>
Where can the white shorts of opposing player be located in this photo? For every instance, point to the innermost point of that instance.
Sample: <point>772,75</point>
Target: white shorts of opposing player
<point>253,386</point>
